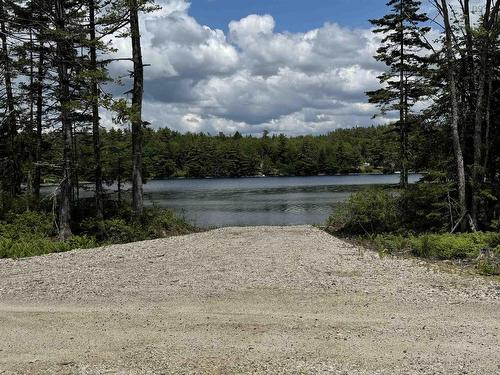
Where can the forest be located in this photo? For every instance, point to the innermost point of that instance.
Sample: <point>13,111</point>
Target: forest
<point>170,154</point>
<point>441,81</point>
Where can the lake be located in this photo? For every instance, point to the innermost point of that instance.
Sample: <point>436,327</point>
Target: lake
<point>260,201</point>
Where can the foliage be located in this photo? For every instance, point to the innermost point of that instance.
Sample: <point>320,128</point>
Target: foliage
<point>32,246</point>
<point>427,206</point>
<point>170,154</point>
<point>154,223</point>
<point>33,233</point>
<point>164,222</point>
<point>367,212</point>
<point>114,230</point>
<point>27,224</point>
<point>446,246</point>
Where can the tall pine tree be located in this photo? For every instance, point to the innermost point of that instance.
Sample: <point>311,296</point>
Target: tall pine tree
<point>403,51</point>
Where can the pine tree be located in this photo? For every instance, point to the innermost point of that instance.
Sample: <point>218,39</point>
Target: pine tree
<point>9,119</point>
<point>403,44</point>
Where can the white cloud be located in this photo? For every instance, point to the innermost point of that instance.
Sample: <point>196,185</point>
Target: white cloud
<point>254,78</point>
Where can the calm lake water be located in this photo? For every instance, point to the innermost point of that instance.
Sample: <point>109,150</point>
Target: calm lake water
<point>256,201</point>
<point>260,201</point>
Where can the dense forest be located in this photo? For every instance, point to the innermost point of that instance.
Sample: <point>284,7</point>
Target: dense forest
<point>55,57</point>
<point>172,154</point>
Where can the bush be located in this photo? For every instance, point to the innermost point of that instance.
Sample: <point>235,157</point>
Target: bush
<point>113,231</point>
<point>392,244</point>
<point>488,267</point>
<point>32,233</point>
<point>448,246</point>
<point>32,246</point>
<point>155,223</point>
<point>162,223</point>
<point>366,212</point>
<point>27,224</point>
<point>443,246</point>
<point>424,207</point>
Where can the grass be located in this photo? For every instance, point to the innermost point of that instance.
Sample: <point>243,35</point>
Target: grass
<point>480,248</point>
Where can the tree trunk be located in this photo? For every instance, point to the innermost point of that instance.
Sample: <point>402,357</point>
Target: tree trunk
<point>137,93</point>
<point>64,101</point>
<point>119,182</point>
<point>15,185</point>
<point>39,114</point>
<point>488,122</point>
<point>457,147</point>
<point>95,116</point>
<point>402,105</point>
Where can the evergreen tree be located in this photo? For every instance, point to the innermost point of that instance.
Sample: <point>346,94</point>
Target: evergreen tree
<point>402,48</point>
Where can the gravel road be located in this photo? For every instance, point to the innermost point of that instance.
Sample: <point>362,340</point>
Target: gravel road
<point>262,300</point>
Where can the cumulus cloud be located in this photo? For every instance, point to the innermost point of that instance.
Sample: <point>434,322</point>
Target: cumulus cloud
<point>253,78</point>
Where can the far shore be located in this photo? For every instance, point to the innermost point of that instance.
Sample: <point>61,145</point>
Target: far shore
<point>83,183</point>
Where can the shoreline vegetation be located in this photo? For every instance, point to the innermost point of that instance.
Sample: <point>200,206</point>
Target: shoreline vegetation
<point>33,233</point>
<point>392,223</point>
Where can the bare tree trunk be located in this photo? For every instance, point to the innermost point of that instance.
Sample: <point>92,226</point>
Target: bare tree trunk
<point>95,116</point>
<point>479,116</point>
<point>451,70</point>
<point>402,107</point>
<point>488,122</point>
<point>29,179</point>
<point>15,185</point>
<point>39,113</point>
<point>137,93</point>
<point>469,44</point>
<point>75,166</point>
<point>64,101</point>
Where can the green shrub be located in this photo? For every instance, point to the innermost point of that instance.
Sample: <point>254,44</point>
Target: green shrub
<point>440,246</point>
<point>33,246</point>
<point>424,206</point>
<point>162,223</point>
<point>155,223</point>
<point>450,246</point>
<point>32,233</point>
<point>392,244</point>
<point>488,267</point>
<point>367,212</point>
<point>30,223</point>
<point>113,230</point>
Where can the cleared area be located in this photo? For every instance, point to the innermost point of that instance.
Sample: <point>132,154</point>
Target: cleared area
<point>244,300</point>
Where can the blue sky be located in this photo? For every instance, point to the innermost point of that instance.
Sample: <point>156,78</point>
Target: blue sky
<point>290,15</point>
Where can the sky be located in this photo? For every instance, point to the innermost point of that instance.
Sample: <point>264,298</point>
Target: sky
<point>290,15</point>
<point>287,66</point>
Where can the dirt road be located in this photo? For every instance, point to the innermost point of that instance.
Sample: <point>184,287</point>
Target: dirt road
<point>267,300</point>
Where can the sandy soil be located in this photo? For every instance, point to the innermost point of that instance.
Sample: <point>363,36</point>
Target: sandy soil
<point>266,300</point>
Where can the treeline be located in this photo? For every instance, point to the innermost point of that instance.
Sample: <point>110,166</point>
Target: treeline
<point>169,153</point>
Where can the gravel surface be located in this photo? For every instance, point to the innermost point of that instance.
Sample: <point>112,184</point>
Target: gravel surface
<point>261,300</point>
